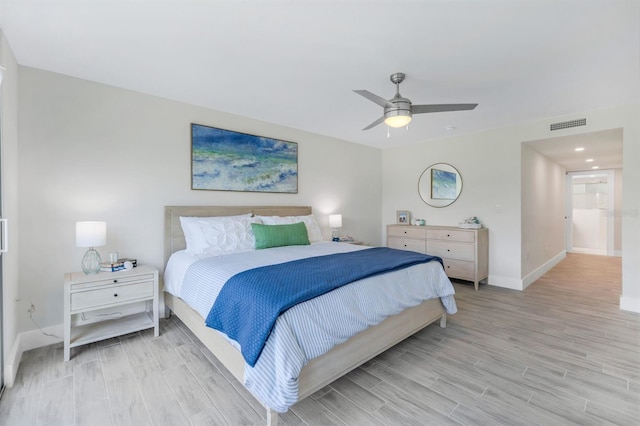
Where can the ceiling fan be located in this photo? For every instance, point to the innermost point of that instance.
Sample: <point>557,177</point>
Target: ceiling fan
<point>398,110</point>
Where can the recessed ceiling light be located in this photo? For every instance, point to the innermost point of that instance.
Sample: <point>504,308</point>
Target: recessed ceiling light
<point>589,160</point>
<point>579,148</point>
<point>449,128</point>
<point>595,167</point>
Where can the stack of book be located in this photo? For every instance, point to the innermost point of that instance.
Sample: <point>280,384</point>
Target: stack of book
<point>120,265</point>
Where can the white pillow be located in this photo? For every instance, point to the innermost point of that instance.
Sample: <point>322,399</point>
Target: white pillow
<point>313,229</point>
<point>218,235</point>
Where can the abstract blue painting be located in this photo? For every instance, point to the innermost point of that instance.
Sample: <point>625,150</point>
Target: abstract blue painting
<point>443,185</point>
<point>224,160</point>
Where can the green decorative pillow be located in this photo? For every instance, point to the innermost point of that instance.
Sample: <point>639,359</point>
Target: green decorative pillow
<point>280,235</point>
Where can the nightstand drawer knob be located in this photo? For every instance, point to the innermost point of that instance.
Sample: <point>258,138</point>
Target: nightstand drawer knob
<point>115,281</point>
<point>115,295</point>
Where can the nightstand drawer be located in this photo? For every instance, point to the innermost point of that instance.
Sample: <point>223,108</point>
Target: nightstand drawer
<point>112,278</point>
<point>110,295</point>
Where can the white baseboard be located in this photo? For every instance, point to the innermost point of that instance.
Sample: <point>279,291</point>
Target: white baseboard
<point>543,269</point>
<point>505,282</point>
<point>26,341</point>
<point>630,304</point>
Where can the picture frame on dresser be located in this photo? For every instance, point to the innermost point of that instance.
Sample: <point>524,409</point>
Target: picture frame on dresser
<point>403,217</point>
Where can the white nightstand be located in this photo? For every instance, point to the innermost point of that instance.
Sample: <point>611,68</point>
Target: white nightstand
<point>110,291</point>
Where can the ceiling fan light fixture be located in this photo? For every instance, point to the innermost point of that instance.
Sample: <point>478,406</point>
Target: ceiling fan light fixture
<point>399,119</point>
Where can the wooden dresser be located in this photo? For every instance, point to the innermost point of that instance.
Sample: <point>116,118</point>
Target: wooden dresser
<point>465,252</point>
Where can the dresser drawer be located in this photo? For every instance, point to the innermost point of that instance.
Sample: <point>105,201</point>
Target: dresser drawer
<point>407,231</point>
<point>112,294</point>
<point>451,250</point>
<point>451,235</point>
<point>462,269</point>
<point>407,244</point>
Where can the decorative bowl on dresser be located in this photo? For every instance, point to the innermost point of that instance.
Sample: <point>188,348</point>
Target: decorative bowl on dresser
<point>464,252</point>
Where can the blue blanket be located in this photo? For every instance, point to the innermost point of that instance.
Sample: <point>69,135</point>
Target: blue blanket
<point>248,305</point>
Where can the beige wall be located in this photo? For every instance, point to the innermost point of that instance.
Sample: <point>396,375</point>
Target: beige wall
<point>94,152</point>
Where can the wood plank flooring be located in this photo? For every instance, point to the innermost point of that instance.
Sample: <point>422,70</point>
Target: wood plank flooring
<point>559,353</point>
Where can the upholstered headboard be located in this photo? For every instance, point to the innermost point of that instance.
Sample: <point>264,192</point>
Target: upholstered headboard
<point>174,237</point>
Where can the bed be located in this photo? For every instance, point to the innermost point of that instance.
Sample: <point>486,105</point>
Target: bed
<point>319,371</point>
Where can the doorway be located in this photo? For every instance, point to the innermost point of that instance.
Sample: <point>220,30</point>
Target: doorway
<point>590,206</point>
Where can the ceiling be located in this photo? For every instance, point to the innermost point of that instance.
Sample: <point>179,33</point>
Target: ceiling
<point>296,63</point>
<point>600,150</point>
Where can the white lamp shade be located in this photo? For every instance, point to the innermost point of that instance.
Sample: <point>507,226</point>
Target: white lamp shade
<point>91,234</point>
<point>397,120</point>
<point>335,221</point>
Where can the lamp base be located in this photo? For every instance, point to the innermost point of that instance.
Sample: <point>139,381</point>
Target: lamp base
<point>91,262</point>
<point>335,236</point>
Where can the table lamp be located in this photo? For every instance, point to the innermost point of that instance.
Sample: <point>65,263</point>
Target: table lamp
<point>91,235</point>
<point>335,221</point>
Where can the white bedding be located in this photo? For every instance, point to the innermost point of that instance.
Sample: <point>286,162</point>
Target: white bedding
<point>312,328</point>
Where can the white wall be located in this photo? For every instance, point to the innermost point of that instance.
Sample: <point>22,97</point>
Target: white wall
<point>491,170</point>
<point>9,167</point>
<point>543,212</point>
<point>94,152</point>
<point>489,163</point>
<point>617,210</point>
<point>630,214</point>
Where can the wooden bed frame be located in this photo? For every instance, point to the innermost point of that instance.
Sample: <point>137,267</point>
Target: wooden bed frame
<point>322,370</point>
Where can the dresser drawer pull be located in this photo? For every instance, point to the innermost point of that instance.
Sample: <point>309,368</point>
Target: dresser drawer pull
<point>115,281</point>
<point>115,295</point>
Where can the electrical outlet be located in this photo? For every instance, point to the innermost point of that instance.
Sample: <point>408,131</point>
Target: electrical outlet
<point>31,309</point>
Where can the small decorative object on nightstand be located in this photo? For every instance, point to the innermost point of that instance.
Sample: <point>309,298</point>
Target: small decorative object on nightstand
<point>113,291</point>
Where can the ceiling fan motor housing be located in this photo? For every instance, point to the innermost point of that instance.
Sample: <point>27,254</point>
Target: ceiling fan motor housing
<point>402,106</point>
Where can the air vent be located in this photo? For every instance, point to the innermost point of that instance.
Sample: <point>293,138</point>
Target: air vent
<point>568,124</point>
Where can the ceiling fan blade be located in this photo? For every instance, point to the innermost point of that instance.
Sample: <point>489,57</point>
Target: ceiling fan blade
<point>375,123</point>
<point>374,98</point>
<point>421,109</point>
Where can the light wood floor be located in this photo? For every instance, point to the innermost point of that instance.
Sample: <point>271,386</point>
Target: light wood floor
<point>559,353</point>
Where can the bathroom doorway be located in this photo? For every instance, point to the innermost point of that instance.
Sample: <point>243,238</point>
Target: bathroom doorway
<point>590,207</point>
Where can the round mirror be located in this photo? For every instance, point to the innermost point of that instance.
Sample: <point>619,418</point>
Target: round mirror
<point>440,185</point>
